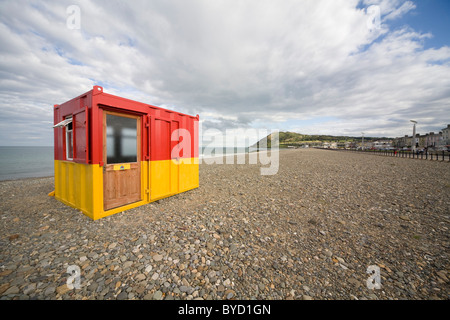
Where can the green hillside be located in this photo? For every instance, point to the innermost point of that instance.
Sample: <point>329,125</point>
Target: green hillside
<point>297,139</point>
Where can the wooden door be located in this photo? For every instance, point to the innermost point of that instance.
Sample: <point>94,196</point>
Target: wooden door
<point>121,157</point>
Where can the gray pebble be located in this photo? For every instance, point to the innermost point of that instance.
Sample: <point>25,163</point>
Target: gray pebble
<point>157,295</point>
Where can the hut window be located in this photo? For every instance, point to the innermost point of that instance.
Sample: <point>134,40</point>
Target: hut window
<point>121,139</point>
<point>69,140</point>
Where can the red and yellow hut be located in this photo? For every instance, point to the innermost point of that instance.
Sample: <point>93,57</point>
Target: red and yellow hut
<point>113,154</point>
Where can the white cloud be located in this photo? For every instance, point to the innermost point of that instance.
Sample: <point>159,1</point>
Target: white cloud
<point>236,63</point>
<point>391,9</point>
<point>399,12</point>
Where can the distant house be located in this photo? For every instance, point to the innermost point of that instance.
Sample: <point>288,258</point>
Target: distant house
<point>422,140</point>
<point>382,144</point>
<point>368,144</point>
<point>433,140</point>
<point>329,145</point>
<point>402,142</point>
<point>446,135</point>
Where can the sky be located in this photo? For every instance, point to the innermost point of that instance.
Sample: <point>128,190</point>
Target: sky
<point>337,67</point>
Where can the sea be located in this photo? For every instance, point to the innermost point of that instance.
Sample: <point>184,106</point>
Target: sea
<point>26,162</point>
<point>34,162</point>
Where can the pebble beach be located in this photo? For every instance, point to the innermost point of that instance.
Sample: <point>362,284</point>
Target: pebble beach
<point>309,232</point>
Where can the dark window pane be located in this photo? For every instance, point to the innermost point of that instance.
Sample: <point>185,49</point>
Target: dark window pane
<point>121,139</point>
<point>69,144</point>
<point>69,140</point>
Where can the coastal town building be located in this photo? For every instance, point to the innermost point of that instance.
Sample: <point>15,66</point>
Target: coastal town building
<point>430,140</point>
<point>351,145</point>
<point>446,135</point>
<point>433,140</point>
<point>402,142</point>
<point>381,144</point>
<point>422,140</point>
<point>330,145</point>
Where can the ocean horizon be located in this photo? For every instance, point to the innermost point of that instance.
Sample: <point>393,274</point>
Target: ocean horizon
<point>21,162</point>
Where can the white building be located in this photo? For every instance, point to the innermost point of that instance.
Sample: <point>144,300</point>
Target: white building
<point>382,144</point>
<point>446,135</point>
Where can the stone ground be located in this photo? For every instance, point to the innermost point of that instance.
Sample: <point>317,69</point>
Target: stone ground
<point>309,232</point>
